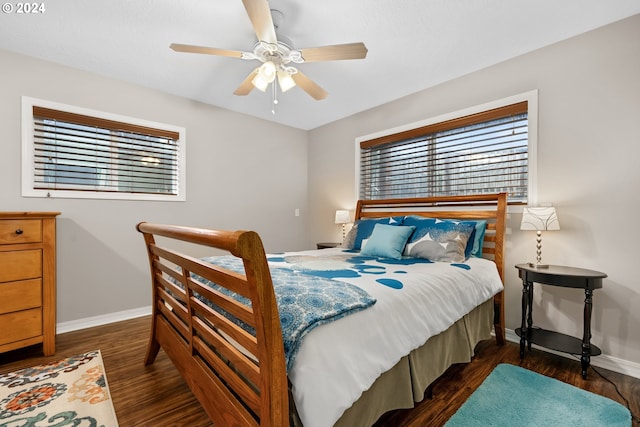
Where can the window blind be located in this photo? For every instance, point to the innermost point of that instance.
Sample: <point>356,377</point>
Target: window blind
<point>483,153</point>
<point>84,153</point>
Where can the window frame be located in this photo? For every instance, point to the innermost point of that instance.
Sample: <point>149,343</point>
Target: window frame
<point>28,155</point>
<point>530,97</point>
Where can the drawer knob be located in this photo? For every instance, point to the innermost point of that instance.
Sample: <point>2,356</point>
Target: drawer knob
<point>19,231</point>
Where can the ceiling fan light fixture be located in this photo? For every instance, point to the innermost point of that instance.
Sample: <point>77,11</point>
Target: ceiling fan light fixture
<point>285,80</point>
<point>266,74</point>
<point>260,83</point>
<point>275,51</point>
<point>268,70</point>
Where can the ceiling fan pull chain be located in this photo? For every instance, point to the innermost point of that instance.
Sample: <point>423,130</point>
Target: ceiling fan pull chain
<point>274,97</point>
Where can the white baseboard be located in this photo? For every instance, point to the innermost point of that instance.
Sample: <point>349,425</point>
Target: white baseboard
<point>603,361</point>
<point>104,319</point>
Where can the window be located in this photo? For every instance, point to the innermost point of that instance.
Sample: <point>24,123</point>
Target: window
<point>78,153</point>
<point>487,151</point>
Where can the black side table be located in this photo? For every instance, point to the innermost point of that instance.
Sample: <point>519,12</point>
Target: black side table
<point>568,277</point>
<point>327,245</point>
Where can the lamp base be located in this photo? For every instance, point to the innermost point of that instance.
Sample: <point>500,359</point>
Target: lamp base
<point>534,265</point>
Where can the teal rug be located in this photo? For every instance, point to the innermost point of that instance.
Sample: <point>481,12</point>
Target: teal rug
<point>513,396</point>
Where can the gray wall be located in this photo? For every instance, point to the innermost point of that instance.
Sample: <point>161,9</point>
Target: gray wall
<point>588,146</point>
<point>242,173</point>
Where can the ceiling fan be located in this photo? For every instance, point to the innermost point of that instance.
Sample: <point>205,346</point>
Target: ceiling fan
<point>276,53</point>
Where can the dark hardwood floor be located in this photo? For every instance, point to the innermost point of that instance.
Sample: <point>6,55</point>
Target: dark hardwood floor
<point>156,396</point>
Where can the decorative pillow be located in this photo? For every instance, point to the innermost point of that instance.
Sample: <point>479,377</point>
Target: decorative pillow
<point>438,240</point>
<point>363,228</point>
<point>476,240</point>
<point>387,241</point>
<point>350,238</point>
<point>474,246</point>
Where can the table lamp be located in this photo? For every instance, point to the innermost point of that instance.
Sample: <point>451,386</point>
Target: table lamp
<point>343,217</point>
<point>539,219</point>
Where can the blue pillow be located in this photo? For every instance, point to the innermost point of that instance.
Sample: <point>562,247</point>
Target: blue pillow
<point>476,240</point>
<point>439,240</point>
<point>387,241</point>
<point>364,227</point>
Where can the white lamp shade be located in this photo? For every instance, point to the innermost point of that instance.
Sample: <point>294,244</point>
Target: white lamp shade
<point>539,219</point>
<point>268,70</point>
<point>259,82</point>
<point>343,217</point>
<point>285,80</point>
<point>265,75</point>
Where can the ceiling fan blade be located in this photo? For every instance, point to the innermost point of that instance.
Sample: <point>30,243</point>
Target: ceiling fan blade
<point>309,86</point>
<point>260,16</point>
<point>334,53</point>
<point>246,86</point>
<point>187,48</point>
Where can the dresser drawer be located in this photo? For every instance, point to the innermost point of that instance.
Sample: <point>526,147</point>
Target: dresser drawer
<point>16,231</point>
<point>20,325</point>
<point>20,265</point>
<point>15,296</point>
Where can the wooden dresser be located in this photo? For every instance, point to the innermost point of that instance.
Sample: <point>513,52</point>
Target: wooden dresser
<point>28,280</point>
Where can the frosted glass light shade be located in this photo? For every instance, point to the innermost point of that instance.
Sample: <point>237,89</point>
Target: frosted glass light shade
<point>285,80</point>
<point>265,75</point>
<point>260,83</point>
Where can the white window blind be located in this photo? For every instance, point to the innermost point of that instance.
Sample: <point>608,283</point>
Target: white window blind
<point>82,154</point>
<point>483,153</point>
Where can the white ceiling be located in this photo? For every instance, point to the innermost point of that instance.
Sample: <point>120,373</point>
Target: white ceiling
<point>413,44</point>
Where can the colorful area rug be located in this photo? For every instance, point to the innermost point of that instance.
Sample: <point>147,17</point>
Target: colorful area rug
<point>513,396</point>
<point>71,392</point>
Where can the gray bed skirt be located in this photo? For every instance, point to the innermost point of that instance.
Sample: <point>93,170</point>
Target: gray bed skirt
<point>411,376</point>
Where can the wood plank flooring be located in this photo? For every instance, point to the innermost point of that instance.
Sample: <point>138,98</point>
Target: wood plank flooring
<point>156,396</point>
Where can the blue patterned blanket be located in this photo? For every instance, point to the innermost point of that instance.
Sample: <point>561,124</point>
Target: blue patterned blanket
<point>304,301</point>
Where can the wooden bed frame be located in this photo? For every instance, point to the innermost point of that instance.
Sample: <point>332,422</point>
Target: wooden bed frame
<point>239,378</point>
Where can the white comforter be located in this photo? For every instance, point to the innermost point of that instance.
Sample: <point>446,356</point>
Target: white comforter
<point>338,361</point>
